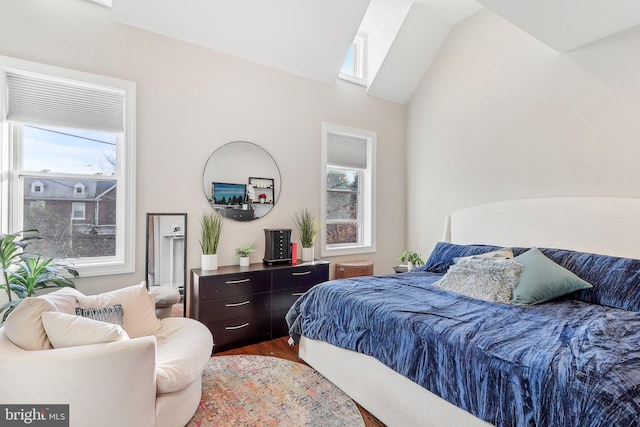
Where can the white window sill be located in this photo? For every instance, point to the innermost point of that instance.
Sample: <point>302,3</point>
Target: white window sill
<point>347,250</point>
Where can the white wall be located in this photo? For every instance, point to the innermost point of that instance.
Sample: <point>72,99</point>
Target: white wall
<point>192,101</point>
<point>499,115</point>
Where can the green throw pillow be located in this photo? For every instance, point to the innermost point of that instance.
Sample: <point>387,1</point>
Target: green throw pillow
<point>543,280</point>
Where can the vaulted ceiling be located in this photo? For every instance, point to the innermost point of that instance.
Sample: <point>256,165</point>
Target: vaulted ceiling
<point>311,38</point>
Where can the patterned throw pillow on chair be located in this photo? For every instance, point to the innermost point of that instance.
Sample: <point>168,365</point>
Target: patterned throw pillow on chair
<point>111,314</point>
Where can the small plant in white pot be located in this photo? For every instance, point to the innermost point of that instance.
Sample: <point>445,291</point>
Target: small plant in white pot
<point>211,227</point>
<point>244,253</point>
<point>308,228</point>
<point>412,259</point>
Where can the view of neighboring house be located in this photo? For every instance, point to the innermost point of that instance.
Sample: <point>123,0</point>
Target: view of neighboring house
<point>76,218</point>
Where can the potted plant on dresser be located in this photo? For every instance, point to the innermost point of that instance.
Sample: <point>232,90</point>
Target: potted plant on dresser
<point>243,253</point>
<point>308,228</point>
<point>211,227</point>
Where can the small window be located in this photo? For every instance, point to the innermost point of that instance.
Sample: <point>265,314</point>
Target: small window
<point>354,68</point>
<point>78,210</point>
<point>78,188</point>
<point>348,221</point>
<point>37,187</point>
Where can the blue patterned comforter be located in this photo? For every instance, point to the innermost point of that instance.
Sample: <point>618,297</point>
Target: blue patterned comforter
<point>562,363</point>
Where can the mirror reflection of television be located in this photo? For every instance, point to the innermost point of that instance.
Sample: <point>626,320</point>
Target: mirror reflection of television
<point>223,193</point>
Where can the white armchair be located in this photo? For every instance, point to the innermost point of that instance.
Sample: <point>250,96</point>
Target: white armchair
<point>145,380</point>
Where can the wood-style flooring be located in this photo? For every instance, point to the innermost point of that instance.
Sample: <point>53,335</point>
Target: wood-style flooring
<point>279,347</point>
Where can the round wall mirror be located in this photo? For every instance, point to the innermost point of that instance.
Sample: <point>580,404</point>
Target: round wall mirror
<point>241,181</point>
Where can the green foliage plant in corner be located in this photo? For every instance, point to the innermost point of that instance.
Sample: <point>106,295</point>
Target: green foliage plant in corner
<point>211,228</point>
<point>308,227</point>
<point>23,274</point>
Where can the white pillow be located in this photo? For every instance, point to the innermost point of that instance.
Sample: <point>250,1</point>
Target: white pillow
<point>24,327</point>
<point>500,254</point>
<point>68,330</point>
<point>138,305</point>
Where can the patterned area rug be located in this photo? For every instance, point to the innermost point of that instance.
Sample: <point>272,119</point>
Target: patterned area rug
<point>268,391</point>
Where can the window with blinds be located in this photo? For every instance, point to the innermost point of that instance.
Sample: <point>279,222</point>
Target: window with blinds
<point>347,203</point>
<point>70,157</point>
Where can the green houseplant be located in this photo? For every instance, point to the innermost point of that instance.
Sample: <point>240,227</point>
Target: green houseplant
<point>211,227</point>
<point>23,274</point>
<point>412,259</point>
<point>243,253</point>
<point>308,228</point>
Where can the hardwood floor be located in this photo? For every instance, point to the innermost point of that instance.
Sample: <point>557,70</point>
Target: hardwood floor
<point>280,348</point>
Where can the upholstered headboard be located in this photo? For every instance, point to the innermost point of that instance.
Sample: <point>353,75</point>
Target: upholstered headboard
<point>602,225</point>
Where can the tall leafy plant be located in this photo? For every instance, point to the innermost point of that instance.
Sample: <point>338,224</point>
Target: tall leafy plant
<point>308,227</point>
<point>211,227</point>
<point>23,273</point>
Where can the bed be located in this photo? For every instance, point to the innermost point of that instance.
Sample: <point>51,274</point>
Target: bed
<point>453,360</point>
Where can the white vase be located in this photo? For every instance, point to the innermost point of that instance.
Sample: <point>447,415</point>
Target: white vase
<point>209,261</point>
<point>244,261</point>
<point>307,254</point>
<point>410,266</point>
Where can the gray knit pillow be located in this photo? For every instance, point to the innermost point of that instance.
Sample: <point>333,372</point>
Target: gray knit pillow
<point>483,279</point>
<point>109,314</point>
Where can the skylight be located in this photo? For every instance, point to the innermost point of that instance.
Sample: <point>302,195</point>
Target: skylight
<point>354,68</point>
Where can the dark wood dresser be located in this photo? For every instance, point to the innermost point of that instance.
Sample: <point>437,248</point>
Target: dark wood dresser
<point>248,304</point>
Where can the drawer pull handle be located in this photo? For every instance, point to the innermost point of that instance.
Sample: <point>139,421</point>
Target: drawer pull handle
<point>301,274</point>
<point>297,294</point>
<point>233,282</point>
<point>237,304</point>
<point>233,328</point>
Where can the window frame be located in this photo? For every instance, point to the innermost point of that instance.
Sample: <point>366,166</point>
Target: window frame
<point>367,196</point>
<point>12,192</point>
<point>359,77</point>
<point>74,205</point>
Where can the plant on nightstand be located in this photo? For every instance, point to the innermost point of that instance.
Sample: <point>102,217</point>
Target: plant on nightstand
<point>211,227</point>
<point>308,228</point>
<point>243,253</point>
<point>412,259</point>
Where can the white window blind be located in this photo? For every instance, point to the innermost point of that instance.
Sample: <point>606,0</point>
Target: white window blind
<point>40,99</point>
<point>346,151</point>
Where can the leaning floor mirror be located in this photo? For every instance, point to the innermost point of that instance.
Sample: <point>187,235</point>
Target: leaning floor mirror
<point>166,250</point>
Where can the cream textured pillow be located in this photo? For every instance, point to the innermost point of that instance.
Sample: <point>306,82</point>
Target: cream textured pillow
<point>24,325</point>
<point>481,279</point>
<point>139,308</point>
<point>68,330</point>
<point>500,254</point>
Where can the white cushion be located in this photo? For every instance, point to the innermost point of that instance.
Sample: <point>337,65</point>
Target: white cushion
<point>183,350</point>
<point>24,325</point>
<point>500,254</point>
<point>68,330</point>
<point>139,308</point>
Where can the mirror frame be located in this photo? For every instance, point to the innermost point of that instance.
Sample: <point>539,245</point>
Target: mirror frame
<point>184,254</point>
<point>277,190</point>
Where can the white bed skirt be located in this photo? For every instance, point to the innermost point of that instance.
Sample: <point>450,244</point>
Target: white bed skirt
<point>393,399</point>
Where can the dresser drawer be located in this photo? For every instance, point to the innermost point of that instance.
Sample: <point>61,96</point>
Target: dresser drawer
<point>228,285</point>
<point>245,328</point>
<point>235,307</point>
<point>283,300</point>
<point>296,277</point>
<point>279,327</point>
